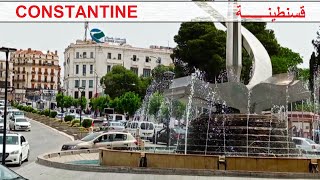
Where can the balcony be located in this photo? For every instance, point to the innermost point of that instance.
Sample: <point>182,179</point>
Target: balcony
<point>39,72</point>
<point>23,72</point>
<point>33,80</point>
<point>33,72</point>
<point>52,81</point>
<point>45,73</point>
<point>52,73</point>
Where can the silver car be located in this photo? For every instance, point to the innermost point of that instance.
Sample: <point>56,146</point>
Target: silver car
<point>20,124</point>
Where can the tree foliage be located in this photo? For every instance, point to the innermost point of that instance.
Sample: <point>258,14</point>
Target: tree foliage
<point>99,103</point>
<point>120,80</point>
<point>155,103</point>
<point>129,103</point>
<point>67,101</point>
<point>314,60</point>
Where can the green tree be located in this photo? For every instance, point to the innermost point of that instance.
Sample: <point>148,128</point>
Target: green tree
<point>129,103</point>
<point>99,103</point>
<point>116,105</point>
<point>178,109</point>
<point>60,101</point>
<point>119,81</point>
<point>284,60</point>
<point>67,101</point>
<point>155,103</point>
<point>303,74</point>
<point>82,102</point>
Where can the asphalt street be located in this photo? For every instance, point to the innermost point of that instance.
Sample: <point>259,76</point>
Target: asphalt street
<point>41,140</point>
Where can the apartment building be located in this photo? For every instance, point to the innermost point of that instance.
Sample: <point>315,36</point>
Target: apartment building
<point>85,62</point>
<point>2,79</point>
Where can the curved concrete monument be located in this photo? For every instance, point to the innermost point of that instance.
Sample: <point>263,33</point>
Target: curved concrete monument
<point>266,90</point>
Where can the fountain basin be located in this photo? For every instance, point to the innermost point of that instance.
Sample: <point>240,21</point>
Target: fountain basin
<point>114,158</point>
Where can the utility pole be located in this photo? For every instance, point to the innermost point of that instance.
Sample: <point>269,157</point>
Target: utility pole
<point>86,27</point>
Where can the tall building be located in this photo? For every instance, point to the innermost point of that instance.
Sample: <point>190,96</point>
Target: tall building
<point>2,79</point>
<point>35,71</point>
<point>85,62</point>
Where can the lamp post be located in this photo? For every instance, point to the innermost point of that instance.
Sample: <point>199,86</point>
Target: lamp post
<point>95,72</point>
<point>80,88</point>
<point>7,51</point>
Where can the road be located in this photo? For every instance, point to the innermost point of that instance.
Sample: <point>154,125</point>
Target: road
<point>42,140</point>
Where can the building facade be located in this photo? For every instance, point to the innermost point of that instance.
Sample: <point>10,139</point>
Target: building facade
<point>85,62</point>
<point>35,71</point>
<point>2,79</point>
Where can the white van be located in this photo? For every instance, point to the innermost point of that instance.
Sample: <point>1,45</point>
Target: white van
<point>117,117</point>
<point>146,129</point>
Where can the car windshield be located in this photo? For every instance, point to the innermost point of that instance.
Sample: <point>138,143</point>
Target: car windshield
<point>18,113</point>
<point>21,120</point>
<point>179,130</point>
<point>13,140</point>
<point>310,141</point>
<point>6,173</point>
<point>91,136</point>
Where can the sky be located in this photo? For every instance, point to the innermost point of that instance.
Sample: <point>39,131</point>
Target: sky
<point>57,36</point>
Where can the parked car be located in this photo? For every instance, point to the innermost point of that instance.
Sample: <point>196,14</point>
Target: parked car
<point>20,124</point>
<point>306,145</point>
<point>17,148</point>
<point>8,174</point>
<point>174,133</point>
<point>102,139</point>
<point>114,125</point>
<point>146,129</point>
<point>60,115</point>
<point>2,125</point>
<point>117,117</point>
<point>17,114</point>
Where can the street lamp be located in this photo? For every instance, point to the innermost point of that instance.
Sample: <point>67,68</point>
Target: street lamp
<point>4,140</point>
<point>95,72</point>
<point>80,90</point>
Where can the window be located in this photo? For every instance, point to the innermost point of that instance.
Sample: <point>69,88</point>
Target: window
<point>77,55</point>
<point>91,69</point>
<point>18,86</point>
<point>90,83</point>
<point>135,70</point>
<point>76,83</point>
<point>23,77</point>
<point>51,79</point>
<point>84,69</point>
<point>119,56</point>
<point>297,141</point>
<point>76,94</point>
<point>148,59</point>
<point>45,79</point>
<point>109,56</point>
<point>84,54</point>
<point>51,86</point>
<point>134,58</point>
<point>77,69</point>
<point>91,54</point>
<point>108,68</point>
<point>146,72</point>
<point>32,86</point>
<point>90,94</point>
<point>83,83</point>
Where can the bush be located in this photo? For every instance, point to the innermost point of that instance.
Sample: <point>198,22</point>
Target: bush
<point>86,123</point>
<point>68,118</point>
<point>75,121</point>
<point>35,111</point>
<point>46,112</point>
<point>53,114</point>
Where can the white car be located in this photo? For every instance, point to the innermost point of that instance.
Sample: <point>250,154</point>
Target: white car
<point>17,114</point>
<point>20,124</point>
<point>2,124</point>
<point>306,144</point>
<point>17,148</point>
<point>114,125</point>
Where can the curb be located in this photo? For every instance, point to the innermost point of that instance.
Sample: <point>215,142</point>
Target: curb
<point>45,161</point>
<point>62,133</point>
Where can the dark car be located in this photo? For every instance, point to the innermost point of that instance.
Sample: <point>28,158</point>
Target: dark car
<point>175,134</point>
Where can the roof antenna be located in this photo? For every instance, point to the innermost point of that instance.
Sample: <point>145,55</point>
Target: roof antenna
<point>86,27</point>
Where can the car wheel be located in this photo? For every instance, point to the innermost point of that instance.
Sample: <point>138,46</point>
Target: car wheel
<point>20,160</point>
<point>27,159</point>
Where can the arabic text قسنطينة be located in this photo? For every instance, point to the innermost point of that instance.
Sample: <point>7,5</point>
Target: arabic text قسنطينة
<point>275,14</point>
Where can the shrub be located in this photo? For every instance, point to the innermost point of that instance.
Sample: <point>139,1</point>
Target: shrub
<point>86,123</point>
<point>53,114</point>
<point>68,118</point>
<point>34,111</point>
<point>46,112</point>
<point>75,121</point>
